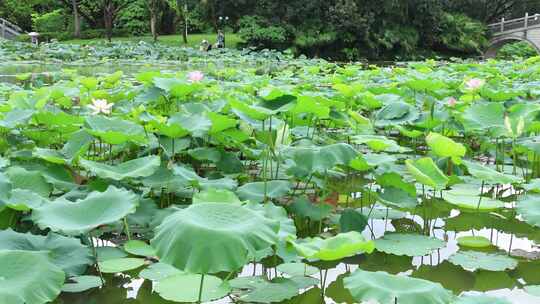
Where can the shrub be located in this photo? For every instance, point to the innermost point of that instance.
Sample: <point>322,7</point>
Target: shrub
<point>258,32</point>
<point>54,21</point>
<point>461,33</point>
<point>517,50</point>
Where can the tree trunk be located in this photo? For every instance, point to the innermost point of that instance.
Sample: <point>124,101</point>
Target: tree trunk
<point>108,20</point>
<point>182,13</point>
<point>153,25</point>
<point>76,19</point>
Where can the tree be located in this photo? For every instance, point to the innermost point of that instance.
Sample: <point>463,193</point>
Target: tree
<point>76,18</point>
<point>154,8</point>
<point>181,8</point>
<point>111,9</point>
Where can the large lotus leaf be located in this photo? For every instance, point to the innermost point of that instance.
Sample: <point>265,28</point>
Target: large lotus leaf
<point>468,198</point>
<point>334,248</point>
<point>24,200</point>
<point>452,277</point>
<point>309,160</point>
<point>159,271</point>
<point>397,198</point>
<point>28,277</point>
<point>140,248</point>
<point>216,196</point>
<point>287,229</point>
<point>408,244</point>
<point>480,299</point>
<point>443,146</point>
<point>213,237</point>
<point>379,143</point>
<point>171,129</point>
<point>297,269</point>
<point>484,116</point>
<point>260,290</point>
<point>29,180</point>
<point>120,265</point>
<point>81,216</point>
<point>197,125</point>
<point>304,208</point>
<point>115,130</point>
<point>379,286</point>
<point>185,288</point>
<point>140,167</point>
<point>396,113</point>
<point>529,208</point>
<point>66,253</point>
<point>474,241</point>
<point>352,220</point>
<point>482,260</point>
<point>488,175</point>
<point>82,283</point>
<point>426,172</point>
<point>255,192</point>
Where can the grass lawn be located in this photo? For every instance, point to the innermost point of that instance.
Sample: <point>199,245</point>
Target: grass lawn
<point>194,40</point>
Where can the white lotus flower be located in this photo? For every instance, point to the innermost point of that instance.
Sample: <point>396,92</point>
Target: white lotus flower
<point>100,106</point>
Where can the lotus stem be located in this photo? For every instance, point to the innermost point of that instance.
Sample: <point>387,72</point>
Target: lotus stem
<point>126,228</point>
<point>201,288</point>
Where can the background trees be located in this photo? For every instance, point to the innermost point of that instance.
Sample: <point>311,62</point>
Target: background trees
<point>338,29</point>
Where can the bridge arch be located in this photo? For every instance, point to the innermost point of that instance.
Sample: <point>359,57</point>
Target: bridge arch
<point>497,43</point>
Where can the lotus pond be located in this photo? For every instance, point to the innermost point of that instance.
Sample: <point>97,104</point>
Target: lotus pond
<point>141,174</point>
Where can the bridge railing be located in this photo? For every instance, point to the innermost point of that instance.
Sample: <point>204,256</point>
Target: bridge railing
<point>514,24</point>
<point>8,29</point>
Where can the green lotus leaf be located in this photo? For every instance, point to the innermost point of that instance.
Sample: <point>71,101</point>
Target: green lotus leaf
<point>29,180</point>
<point>397,198</point>
<point>386,288</point>
<point>105,253</point>
<point>379,143</point>
<point>443,146</point>
<point>287,228</point>
<point>426,172</point>
<point>352,220</point>
<point>396,113</point>
<point>24,200</point>
<point>309,160</point>
<point>52,156</point>
<point>81,216</point>
<point>488,175</point>
<point>474,241</point>
<point>334,248</point>
<point>216,196</point>
<point>484,117</point>
<point>482,260</point>
<point>260,290</point>
<point>533,185</point>
<point>139,167</point>
<point>82,283</point>
<point>139,248</point>
<point>120,265</point>
<point>408,244</point>
<point>213,237</point>
<point>159,271</point>
<point>28,277</point>
<point>196,125</point>
<point>529,208</point>
<point>171,129</point>
<point>480,299</point>
<point>467,198</point>
<point>213,288</point>
<point>304,208</point>
<point>255,192</point>
<point>115,130</point>
<point>452,277</point>
<point>297,269</point>
<point>16,118</point>
<point>533,290</point>
<point>67,253</point>
<point>379,212</point>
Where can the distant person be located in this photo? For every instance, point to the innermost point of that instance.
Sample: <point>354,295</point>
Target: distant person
<point>205,46</point>
<point>220,40</point>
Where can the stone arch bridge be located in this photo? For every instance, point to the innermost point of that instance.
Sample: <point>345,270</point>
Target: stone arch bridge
<point>507,31</point>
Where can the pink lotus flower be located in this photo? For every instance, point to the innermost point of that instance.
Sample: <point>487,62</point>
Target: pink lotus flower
<point>452,102</point>
<point>474,84</point>
<point>100,106</point>
<point>195,76</point>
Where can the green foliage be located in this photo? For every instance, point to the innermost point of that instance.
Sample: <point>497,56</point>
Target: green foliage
<point>49,22</point>
<point>258,32</point>
<point>517,50</point>
<point>461,33</point>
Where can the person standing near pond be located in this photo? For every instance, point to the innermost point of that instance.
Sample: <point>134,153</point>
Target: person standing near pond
<point>220,40</point>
